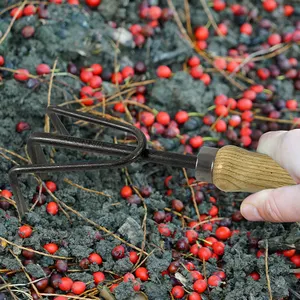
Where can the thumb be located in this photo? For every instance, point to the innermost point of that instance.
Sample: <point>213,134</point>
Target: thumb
<point>282,204</point>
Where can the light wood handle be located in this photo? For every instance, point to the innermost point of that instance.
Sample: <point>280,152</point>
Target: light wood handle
<point>238,170</point>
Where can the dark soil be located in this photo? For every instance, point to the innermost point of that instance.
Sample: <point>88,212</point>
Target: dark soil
<point>84,36</point>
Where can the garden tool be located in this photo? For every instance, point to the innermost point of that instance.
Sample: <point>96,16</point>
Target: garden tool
<point>230,168</point>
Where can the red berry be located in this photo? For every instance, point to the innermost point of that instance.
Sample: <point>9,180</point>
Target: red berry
<point>209,241</point>
<point>218,248</point>
<point>201,33</point>
<point>246,141</point>
<point>118,252</point>
<point>93,3</point>
<point>119,107</point>
<point>51,186</point>
<point>95,82</point>
<point>295,259</point>
<point>255,276</point>
<point>247,116</point>
<point>288,10</point>
<point>96,69</point>
<point>246,28</point>
<point>95,258</point>
<point>221,126</point>
<point>29,10</point>
<point>135,29</point>
<point>133,257</point>
<point>78,287</point>
<point>201,45</point>
<point>86,76</point>
<point>223,233</point>
<point>214,280</point>
<point>200,286</point>
<point>195,249</point>
<point>244,104</point>
<point>196,72</point>
<point>65,284</point>
<point>163,72</point>
<point>213,211</point>
<point>204,253</point>
<point>291,104</point>
<point>2,61</point>
<point>192,236</point>
<point>208,120</point>
<point>269,5</point>
<point>147,118</point>
<point>98,277</point>
<point>25,231</point>
<point>51,248</point>
<point>221,110</point>
<point>194,61</point>
<point>289,253</point>
<point>22,126</point>
<point>117,78</point>
<point>163,118</point>
<point>196,275</point>
<point>126,191</point>
<point>177,205</point>
<point>86,91</point>
<point>235,121</point>
<point>177,292</point>
<point>52,208</point>
<point>263,73</point>
<point>142,273</point>
<point>43,69</point>
<point>245,131</point>
<point>274,39</point>
<point>194,296</point>
<point>196,141</point>
<point>6,194</point>
<point>223,28</point>
<point>128,72</point>
<point>154,12</point>
<point>220,63</point>
<point>164,230</point>
<point>219,5</point>
<point>16,12</point>
<point>221,100</point>
<point>21,75</point>
<point>249,94</point>
<point>181,117</point>
<point>232,66</point>
<point>205,78</point>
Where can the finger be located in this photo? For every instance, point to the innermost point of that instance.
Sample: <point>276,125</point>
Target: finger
<point>277,205</point>
<point>284,148</point>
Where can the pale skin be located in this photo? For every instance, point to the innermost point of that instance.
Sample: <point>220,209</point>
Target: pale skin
<point>282,204</point>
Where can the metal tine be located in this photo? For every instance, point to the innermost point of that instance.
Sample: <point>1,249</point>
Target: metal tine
<point>41,166</point>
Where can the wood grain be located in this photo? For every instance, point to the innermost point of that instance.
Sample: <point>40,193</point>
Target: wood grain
<point>238,170</point>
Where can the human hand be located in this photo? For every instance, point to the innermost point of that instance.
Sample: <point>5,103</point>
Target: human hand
<point>281,204</point>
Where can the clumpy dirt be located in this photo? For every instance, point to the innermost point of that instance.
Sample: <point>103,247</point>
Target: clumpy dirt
<point>84,36</point>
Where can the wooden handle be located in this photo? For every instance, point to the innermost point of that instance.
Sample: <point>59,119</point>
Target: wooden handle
<point>238,170</point>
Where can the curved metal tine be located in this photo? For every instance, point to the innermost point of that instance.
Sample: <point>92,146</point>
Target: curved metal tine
<point>36,152</point>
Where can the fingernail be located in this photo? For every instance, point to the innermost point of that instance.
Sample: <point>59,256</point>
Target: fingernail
<point>250,212</point>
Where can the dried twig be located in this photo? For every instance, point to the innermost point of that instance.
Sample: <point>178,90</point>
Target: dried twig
<point>267,271</point>
<point>188,18</point>
<point>12,22</point>
<point>32,250</point>
<point>25,272</point>
<point>210,17</point>
<point>85,189</point>
<point>47,120</point>
<point>200,52</point>
<point>193,194</point>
